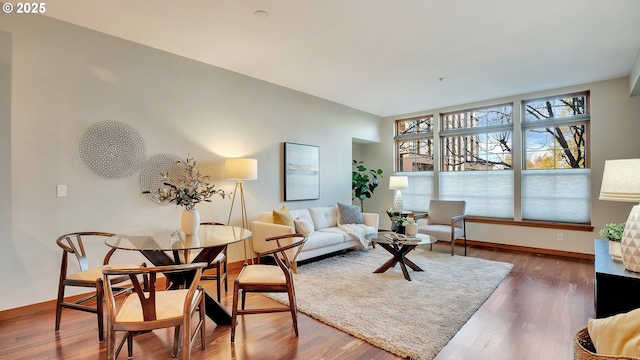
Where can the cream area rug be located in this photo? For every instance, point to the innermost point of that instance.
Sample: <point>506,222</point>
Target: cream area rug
<point>412,319</point>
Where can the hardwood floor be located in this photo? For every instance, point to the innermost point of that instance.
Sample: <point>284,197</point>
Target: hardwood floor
<point>533,314</point>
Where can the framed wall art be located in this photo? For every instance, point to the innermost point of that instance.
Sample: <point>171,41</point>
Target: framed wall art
<point>301,172</point>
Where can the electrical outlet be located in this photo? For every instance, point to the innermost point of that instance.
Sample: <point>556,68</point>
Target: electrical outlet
<point>559,236</point>
<point>61,191</point>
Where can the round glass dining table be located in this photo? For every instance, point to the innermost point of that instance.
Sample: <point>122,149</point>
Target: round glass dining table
<point>210,240</point>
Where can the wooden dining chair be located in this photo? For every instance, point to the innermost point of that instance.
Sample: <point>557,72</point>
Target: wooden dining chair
<point>148,309</point>
<point>87,277</point>
<point>269,278</point>
<point>220,265</point>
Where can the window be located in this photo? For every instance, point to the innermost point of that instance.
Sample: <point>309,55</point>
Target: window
<point>556,176</point>
<point>414,144</point>
<point>476,159</point>
<point>414,151</point>
<point>476,144</point>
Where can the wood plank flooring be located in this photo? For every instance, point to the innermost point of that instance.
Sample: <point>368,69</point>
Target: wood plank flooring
<point>533,314</point>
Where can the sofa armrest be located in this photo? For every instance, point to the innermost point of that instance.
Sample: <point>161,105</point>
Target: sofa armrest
<point>263,230</point>
<point>371,219</point>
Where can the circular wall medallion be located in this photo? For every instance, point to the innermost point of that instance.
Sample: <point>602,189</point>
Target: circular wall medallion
<point>151,178</point>
<point>112,149</point>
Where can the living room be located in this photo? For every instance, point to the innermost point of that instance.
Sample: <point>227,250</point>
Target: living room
<point>57,79</point>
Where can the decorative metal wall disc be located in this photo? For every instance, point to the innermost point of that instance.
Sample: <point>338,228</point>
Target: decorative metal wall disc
<point>112,149</point>
<point>150,174</point>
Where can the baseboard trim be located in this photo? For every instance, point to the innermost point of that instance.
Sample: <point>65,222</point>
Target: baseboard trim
<point>534,250</point>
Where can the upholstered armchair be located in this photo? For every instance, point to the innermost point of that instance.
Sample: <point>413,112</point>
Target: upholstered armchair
<point>445,222</point>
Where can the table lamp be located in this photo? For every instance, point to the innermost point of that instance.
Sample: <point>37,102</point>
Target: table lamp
<point>398,183</point>
<point>240,169</point>
<point>621,182</point>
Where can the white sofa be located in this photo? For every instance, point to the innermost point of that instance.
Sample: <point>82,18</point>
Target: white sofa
<point>326,237</point>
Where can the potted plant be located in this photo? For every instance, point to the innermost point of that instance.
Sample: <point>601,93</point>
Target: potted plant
<point>613,232</point>
<point>363,182</point>
<point>187,191</point>
<point>400,223</point>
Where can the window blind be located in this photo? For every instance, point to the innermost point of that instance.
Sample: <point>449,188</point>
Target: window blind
<point>562,195</point>
<point>417,195</point>
<point>487,193</point>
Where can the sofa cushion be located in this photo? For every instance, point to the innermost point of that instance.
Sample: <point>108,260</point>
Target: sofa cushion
<point>349,214</point>
<point>266,216</point>
<point>303,226</point>
<point>283,217</point>
<point>324,217</point>
<point>617,335</point>
<point>321,239</point>
<point>301,213</point>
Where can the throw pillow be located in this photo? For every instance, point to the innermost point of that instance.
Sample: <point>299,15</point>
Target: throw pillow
<point>283,217</point>
<point>303,226</point>
<point>349,214</point>
<point>617,335</point>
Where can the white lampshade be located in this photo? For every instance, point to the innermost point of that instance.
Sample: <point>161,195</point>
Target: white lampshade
<point>398,182</point>
<point>621,180</point>
<point>241,169</point>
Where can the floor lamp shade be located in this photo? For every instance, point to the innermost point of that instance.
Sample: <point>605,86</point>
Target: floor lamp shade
<point>241,169</point>
<point>398,183</point>
<point>621,182</point>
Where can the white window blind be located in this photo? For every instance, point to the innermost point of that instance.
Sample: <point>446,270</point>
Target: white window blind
<point>562,195</point>
<point>487,193</point>
<point>417,195</point>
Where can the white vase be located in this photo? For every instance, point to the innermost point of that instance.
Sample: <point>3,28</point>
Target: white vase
<point>630,244</point>
<point>615,251</point>
<point>190,221</point>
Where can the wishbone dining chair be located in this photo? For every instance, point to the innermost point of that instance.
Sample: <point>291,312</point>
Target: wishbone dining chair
<point>73,244</point>
<point>148,309</point>
<point>269,278</point>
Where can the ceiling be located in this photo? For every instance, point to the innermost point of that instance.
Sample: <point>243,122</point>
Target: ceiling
<point>385,57</point>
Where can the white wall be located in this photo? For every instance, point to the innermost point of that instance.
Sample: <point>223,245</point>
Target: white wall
<point>65,78</point>
<point>615,125</point>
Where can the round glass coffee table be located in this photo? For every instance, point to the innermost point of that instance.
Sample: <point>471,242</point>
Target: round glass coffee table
<point>399,248</point>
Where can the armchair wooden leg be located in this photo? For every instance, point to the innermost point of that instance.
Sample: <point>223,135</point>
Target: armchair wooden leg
<point>234,311</point>
<point>292,305</point>
<point>100,308</point>
<point>218,275</point>
<point>176,340</point>
<point>59,305</point>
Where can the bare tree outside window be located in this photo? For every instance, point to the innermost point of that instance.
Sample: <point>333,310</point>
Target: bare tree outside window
<point>414,144</point>
<point>477,139</point>
<point>562,142</point>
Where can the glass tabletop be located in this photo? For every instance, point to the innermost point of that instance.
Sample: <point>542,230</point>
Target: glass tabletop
<point>165,239</point>
<point>386,238</point>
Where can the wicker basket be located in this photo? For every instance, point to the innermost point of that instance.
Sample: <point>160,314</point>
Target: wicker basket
<point>583,348</point>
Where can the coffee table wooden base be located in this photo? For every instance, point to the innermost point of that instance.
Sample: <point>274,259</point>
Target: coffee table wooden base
<point>399,257</point>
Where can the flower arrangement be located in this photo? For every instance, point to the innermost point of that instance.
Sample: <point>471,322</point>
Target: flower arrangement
<point>188,190</point>
<point>613,232</point>
<point>401,220</point>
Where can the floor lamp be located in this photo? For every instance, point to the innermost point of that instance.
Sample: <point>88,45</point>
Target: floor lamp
<point>241,169</point>
<point>621,182</point>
